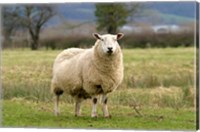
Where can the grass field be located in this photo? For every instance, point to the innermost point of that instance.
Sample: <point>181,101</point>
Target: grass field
<point>157,92</point>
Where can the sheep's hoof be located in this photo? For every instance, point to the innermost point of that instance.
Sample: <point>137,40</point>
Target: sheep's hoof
<point>94,116</point>
<point>56,114</point>
<point>77,115</point>
<point>108,116</point>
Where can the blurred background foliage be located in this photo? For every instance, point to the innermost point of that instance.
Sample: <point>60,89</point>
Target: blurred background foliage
<point>59,26</point>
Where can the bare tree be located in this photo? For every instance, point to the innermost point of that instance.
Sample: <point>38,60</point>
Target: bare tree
<point>33,17</point>
<point>10,22</point>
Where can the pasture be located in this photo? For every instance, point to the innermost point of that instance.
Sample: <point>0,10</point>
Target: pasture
<point>157,92</point>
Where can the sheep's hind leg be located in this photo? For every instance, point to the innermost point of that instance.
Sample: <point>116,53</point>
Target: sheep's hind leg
<point>57,92</point>
<point>94,107</point>
<point>105,108</point>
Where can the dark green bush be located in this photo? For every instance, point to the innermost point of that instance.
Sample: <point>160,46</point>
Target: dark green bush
<point>150,39</point>
<point>137,40</point>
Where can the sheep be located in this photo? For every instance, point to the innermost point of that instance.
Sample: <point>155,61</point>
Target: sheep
<point>88,73</point>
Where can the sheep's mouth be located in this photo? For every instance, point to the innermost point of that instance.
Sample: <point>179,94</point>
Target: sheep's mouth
<point>109,52</point>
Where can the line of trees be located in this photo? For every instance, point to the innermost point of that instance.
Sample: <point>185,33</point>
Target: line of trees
<point>110,16</point>
<point>32,18</point>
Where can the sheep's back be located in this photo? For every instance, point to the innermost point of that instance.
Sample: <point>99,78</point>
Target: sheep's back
<point>68,54</point>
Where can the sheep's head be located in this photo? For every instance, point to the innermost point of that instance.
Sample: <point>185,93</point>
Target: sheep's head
<point>108,42</point>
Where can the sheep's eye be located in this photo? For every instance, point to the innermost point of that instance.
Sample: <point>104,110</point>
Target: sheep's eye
<point>102,39</point>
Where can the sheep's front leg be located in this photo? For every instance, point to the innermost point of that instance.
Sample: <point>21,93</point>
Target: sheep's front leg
<point>105,107</point>
<point>56,107</point>
<point>94,107</point>
<point>78,107</point>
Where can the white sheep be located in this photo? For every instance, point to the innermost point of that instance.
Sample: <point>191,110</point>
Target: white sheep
<point>87,73</point>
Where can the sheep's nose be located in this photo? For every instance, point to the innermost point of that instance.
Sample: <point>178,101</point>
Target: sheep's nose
<point>110,51</point>
<point>110,48</point>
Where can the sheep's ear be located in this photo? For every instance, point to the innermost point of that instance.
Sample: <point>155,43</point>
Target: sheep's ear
<point>97,36</point>
<point>119,36</point>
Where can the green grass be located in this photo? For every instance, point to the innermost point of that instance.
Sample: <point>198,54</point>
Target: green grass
<point>27,73</point>
<point>158,82</point>
<point>159,67</point>
<point>34,114</point>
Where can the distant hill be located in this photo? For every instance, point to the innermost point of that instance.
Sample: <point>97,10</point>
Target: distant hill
<point>77,11</point>
<point>184,9</point>
<point>161,12</point>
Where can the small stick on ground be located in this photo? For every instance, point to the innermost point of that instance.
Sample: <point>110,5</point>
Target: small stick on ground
<point>136,110</point>
<point>135,106</point>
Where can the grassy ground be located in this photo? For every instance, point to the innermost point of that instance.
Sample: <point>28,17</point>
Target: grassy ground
<point>20,113</point>
<point>159,83</point>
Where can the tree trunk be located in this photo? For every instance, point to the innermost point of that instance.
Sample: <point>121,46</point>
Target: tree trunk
<point>34,38</point>
<point>112,29</point>
<point>34,44</point>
